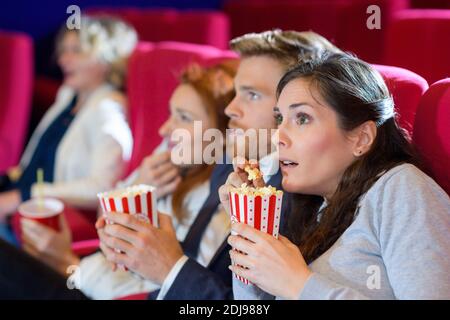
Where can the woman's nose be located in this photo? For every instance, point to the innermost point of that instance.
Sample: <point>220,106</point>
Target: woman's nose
<point>64,59</point>
<point>280,138</point>
<point>166,128</point>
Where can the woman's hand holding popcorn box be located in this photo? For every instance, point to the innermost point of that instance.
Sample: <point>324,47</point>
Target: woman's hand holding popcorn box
<point>138,200</point>
<point>258,207</point>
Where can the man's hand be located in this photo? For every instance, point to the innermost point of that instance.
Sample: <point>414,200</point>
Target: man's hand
<point>148,251</point>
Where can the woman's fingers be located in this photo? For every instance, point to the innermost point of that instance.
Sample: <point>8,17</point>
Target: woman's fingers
<point>154,167</point>
<point>241,244</point>
<point>30,249</point>
<point>153,161</point>
<point>166,177</point>
<point>32,231</point>
<point>100,223</point>
<point>242,272</point>
<point>158,172</point>
<point>251,233</point>
<point>34,226</point>
<point>27,240</point>
<point>63,223</point>
<point>168,188</point>
<point>157,159</point>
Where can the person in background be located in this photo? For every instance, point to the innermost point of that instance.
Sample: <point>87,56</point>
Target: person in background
<point>87,122</point>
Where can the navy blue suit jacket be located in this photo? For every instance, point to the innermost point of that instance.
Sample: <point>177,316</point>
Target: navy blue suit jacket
<point>214,282</point>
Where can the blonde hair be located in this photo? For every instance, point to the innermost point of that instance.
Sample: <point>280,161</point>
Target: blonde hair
<point>110,40</point>
<point>288,47</point>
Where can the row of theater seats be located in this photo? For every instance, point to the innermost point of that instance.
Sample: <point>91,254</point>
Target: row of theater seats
<point>341,21</point>
<point>16,77</point>
<point>409,38</point>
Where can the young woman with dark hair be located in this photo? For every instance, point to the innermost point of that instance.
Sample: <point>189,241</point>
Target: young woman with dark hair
<point>366,221</point>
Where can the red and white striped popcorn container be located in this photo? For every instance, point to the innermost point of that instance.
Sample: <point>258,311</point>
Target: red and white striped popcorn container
<point>261,211</point>
<point>137,200</point>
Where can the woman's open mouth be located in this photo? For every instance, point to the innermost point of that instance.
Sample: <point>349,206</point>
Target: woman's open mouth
<point>284,164</point>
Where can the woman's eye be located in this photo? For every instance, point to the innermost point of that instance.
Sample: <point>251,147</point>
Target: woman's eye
<point>185,118</point>
<point>253,96</point>
<point>303,119</point>
<point>278,118</point>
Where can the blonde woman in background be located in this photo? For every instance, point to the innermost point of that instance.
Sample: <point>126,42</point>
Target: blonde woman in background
<point>84,139</point>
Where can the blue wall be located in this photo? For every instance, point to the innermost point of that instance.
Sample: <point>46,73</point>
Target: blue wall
<point>38,18</point>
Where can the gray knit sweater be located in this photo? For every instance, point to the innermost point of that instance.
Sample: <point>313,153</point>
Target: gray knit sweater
<point>398,246</point>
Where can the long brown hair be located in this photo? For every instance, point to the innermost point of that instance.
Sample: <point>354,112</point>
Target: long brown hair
<point>357,93</point>
<point>215,87</point>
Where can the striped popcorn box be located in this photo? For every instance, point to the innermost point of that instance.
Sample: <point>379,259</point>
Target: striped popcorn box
<point>138,200</point>
<point>256,207</point>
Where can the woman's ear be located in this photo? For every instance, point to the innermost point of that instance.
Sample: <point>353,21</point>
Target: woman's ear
<point>363,137</point>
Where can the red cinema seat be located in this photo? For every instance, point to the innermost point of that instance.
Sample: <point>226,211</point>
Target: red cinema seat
<point>419,41</point>
<point>432,132</point>
<point>194,26</point>
<point>406,88</point>
<point>438,4</point>
<point>355,36</point>
<point>343,22</point>
<point>320,16</point>
<point>152,77</point>
<point>16,65</point>
<point>85,247</point>
<point>137,296</point>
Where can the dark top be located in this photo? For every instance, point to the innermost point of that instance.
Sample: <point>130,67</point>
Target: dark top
<point>45,152</point>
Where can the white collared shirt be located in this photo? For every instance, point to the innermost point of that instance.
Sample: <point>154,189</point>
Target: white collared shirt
<point>93,152</point>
